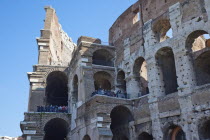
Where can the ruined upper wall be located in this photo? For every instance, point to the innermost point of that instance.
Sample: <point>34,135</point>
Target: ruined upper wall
<point>55,46</point>
<point>127,32</point>
<point>125,22</point>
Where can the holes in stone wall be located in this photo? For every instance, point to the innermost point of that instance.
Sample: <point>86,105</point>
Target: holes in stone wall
<point>140,75</point>
<point>121,83</point>
<point>102,80</point>
<point>120,118</point>
<point>56,129</point>
<point>198,46</point>
<point>162,30</point>
<point>57,89</point>
<point>166,65</point>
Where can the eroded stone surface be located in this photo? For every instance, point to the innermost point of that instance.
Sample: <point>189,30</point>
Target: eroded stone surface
<point>165,76</point>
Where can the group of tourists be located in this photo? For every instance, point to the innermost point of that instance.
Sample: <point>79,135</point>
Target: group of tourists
<point>110,93</point>
<point>51,108</point>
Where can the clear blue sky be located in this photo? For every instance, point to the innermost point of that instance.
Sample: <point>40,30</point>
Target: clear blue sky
<point>20,22</point>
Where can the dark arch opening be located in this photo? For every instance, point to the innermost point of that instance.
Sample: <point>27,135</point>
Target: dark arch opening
<point>75,89</point>
<point>204,131</point>
<point>175,133</point>
<point>57,89</point>
<point>202,67</point>
<point>198,46</point>
<point>86,137</point>
<point>140,75</point>
<point>102,80</point>
<point>120,118</point>
<point>145,136</point>
<point>121,82</point>
<point>165,62</point>
<point>56,129</point>
<point>162,30</point>
<point>103,57</point>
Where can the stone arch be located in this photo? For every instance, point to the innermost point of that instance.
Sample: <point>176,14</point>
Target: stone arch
<point>102,80</point>
<point>120,118</point>
<point>121,82</point>
<point>57,89</point>
<point>86,137</point>
<point>103,57</point>
<point>197,40</point>
<point>56,129</point>
<point>140,75</point>
<point>167,69</point>
<point>75,84</point>
<point>161,28</point>
<point>61,69</point>
<point>198,47</point>
<point>145,136</point>
<point>204,130</point>
<point>174,132</point>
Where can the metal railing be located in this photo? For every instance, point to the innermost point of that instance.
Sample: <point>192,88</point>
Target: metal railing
<point>103,63</point>
<point>111,94</point>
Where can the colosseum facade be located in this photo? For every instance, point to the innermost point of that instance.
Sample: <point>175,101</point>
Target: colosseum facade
<point>151,82</point>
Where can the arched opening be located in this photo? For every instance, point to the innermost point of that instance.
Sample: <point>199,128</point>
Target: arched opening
<point>120,118</point>
<point>102,80</point>
<point>86,137</point>
<point>103,57</point>
<point>140,75</point>
<point>198,46</point>
<point>75,89</point>
<point>145,136</point>
<point>121,83</point>
<point>175,133</point>
<point>166,64</point>
<point>204,131</point>
<point>163,30</point>
<point>56,129</point>
<point>57,89</point>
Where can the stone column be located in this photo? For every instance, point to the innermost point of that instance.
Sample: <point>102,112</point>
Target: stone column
<point>185,73</point>
<point>155,83</point>
<point>156,90</point>
<point>133,87</point>
<point>187,82</point>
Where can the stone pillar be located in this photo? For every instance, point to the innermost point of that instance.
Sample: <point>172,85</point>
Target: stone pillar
<point>156,90</point>
<point>175,18</point>
<point>127,49</point>
<point>187,82</point>
<point>37,92</point>
<point>186,76</point>
<point>133,87</point>
<point>155,83</point>
<point>43,46</point>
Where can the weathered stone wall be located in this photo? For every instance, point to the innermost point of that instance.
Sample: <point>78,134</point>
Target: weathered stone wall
<point>36,121</point>
<point>156,113</point>
<point>55,47</point>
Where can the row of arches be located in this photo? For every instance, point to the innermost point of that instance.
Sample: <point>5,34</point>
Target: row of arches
<point>198,52</point>
<point>121,116</point>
